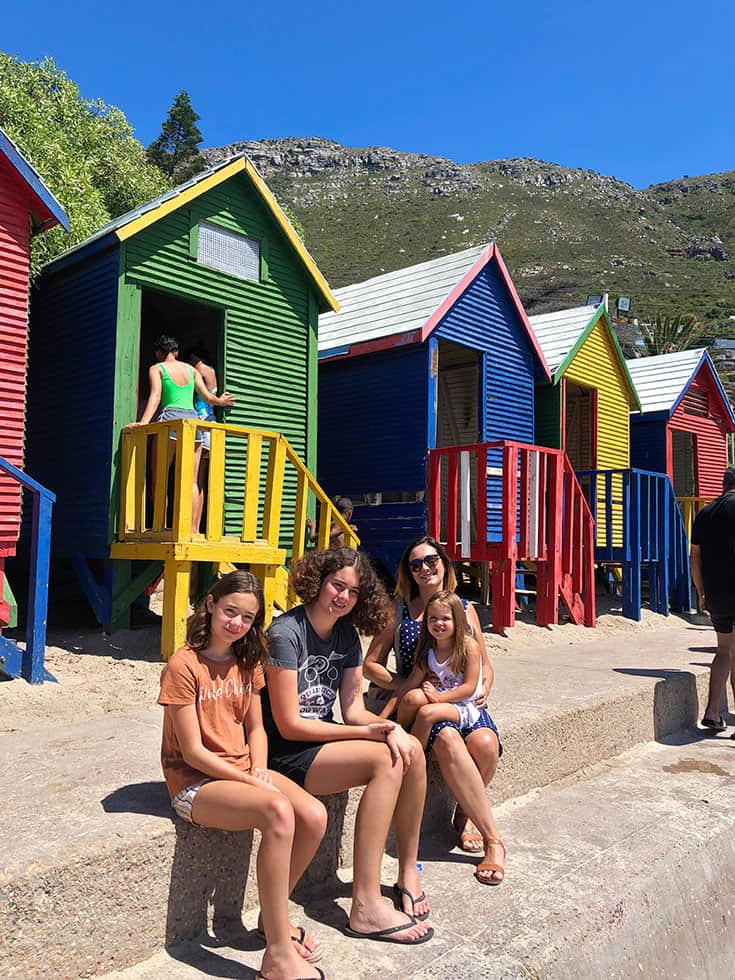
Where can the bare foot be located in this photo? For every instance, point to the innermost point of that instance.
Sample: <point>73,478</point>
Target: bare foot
<point>411,881</point>
<point>307,945</point>
<point>470,839</point>
<point>379,915</point>
<point>285,964</point>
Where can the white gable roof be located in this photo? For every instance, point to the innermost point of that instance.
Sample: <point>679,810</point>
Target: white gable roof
<point>660,380</point>
<point>558,332</point>
<point>393,303</point>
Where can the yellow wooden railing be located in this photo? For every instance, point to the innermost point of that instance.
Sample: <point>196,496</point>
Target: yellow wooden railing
<point>690,507</point>
<point>246,523</point>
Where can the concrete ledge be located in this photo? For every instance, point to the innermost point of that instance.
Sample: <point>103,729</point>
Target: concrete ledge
<point>95,874</point>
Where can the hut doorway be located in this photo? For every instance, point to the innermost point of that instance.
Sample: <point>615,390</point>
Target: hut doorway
<point>194,325</point>
<point>580,426</point>
<point>458,422</point>
<point>682,457</point>
<point>458,402</point>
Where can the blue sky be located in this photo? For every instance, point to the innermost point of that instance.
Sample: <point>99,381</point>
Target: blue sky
<point>643,91</point>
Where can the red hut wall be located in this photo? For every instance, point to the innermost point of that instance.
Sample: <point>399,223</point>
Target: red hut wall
<point>700,413</point>
<point>14,267</point>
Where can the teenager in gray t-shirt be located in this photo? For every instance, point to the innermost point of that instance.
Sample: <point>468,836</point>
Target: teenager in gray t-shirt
<point>319,664</point>
<point>315,658</point>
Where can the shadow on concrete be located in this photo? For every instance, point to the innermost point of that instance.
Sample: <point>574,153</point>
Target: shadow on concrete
<point>150,798</point>
<point>675,698</point>
<point>209,963</point>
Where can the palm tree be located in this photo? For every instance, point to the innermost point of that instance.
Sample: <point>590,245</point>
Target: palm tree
<point>667,334</point>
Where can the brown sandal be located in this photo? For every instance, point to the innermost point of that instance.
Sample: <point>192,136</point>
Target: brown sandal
<point>467,837</point>
<point>485,865</point>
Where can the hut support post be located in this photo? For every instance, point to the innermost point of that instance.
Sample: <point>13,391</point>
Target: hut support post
<point>175,605</point>
<point>632,545</point>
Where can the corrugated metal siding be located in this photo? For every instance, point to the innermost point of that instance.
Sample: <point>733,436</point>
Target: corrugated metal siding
<point>71,380</point>
<point>648,446</point>
<point>597,365</point>
<point>267,349</point>
<point>709,430</point>
<point>484,319</point>
<point>372,422</point>
<point>14,261</point>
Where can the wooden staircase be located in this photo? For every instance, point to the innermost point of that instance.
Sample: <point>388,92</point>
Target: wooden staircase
<point>501,503</point>
<point>259,495</point>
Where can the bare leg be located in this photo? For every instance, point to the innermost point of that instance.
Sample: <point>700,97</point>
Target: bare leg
<point>407,826</point>
<point>340,766</point>
<point>310,824</point>
<point>410,704</point>
<point>196,512</point>
<point>484,748</point>
<point>465,783</point>
<point>234,806</point>
<point>200,483</point>
<point>719,673</point>
<point>429,715</point>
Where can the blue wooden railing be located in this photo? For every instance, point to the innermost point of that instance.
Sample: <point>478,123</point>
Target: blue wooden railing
<point>29,663</point>
<point>638,524</point>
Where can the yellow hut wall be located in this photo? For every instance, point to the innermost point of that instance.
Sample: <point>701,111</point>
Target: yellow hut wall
<point>597,365</point>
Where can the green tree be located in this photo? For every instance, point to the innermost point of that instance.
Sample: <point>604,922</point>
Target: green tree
<point>83,149</point>
<point>176,151</point>
<point>666,334</point>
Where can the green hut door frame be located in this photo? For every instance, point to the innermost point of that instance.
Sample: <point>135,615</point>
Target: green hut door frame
<point>123,585</point>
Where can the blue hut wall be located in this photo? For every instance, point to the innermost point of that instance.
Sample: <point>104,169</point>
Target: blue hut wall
<point>648,445</point>
<point>484,318</point>
<point>372,422</point>
<point>373,419</point>
<point>70,406</point>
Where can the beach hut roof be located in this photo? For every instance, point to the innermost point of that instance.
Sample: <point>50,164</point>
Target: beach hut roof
<point>662,380</point>
<point>402,307</point>
<point>561,334</point>
<point>45,209</point>
<point>129,224</point>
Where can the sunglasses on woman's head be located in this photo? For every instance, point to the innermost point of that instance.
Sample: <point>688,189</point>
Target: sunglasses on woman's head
<point>431,561</point>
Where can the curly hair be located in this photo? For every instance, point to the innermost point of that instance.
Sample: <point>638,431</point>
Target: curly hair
<point>165,344</point>
<point>406,586</point>
<point>462,631</point>
<point>250,649</point>
<point>372,611</point>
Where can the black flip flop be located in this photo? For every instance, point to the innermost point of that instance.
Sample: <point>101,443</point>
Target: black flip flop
<point>387,935</point>
<point>398,894</point>
<point>715,726</point>
<point>322,976</point>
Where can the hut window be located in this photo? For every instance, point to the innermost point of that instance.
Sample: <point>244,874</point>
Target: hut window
<point>226,250</point>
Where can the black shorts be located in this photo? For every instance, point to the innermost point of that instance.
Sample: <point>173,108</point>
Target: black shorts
<point>722,622</point>
<point>292,759</point>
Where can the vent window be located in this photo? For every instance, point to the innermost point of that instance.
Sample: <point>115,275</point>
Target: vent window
<point>229,252</point>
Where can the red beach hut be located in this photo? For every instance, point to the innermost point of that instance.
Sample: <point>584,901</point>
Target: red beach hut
<point>26,206</point>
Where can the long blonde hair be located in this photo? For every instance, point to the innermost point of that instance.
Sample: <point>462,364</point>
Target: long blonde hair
<point>463,638</point>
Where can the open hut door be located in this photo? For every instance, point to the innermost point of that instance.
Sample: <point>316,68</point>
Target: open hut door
<point>682,458</point>
<point>580,428</point>
<point>193,325</point>
<point>458,411</point>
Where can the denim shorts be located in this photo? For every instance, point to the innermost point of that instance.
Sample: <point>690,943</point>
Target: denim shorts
<point>169,414</point>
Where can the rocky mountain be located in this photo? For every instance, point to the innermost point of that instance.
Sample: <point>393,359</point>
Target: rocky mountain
<point>564,233</point>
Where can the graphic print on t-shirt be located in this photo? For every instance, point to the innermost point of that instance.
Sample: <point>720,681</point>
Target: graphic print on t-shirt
<point>318,682</point>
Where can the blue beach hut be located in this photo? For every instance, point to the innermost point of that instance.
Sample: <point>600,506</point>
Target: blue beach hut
<point>437,354</point>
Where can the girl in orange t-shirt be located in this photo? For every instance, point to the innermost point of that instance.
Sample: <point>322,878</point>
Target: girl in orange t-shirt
<point>210,688</point>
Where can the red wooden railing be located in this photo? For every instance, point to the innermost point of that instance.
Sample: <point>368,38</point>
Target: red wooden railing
<point>509,502</point>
